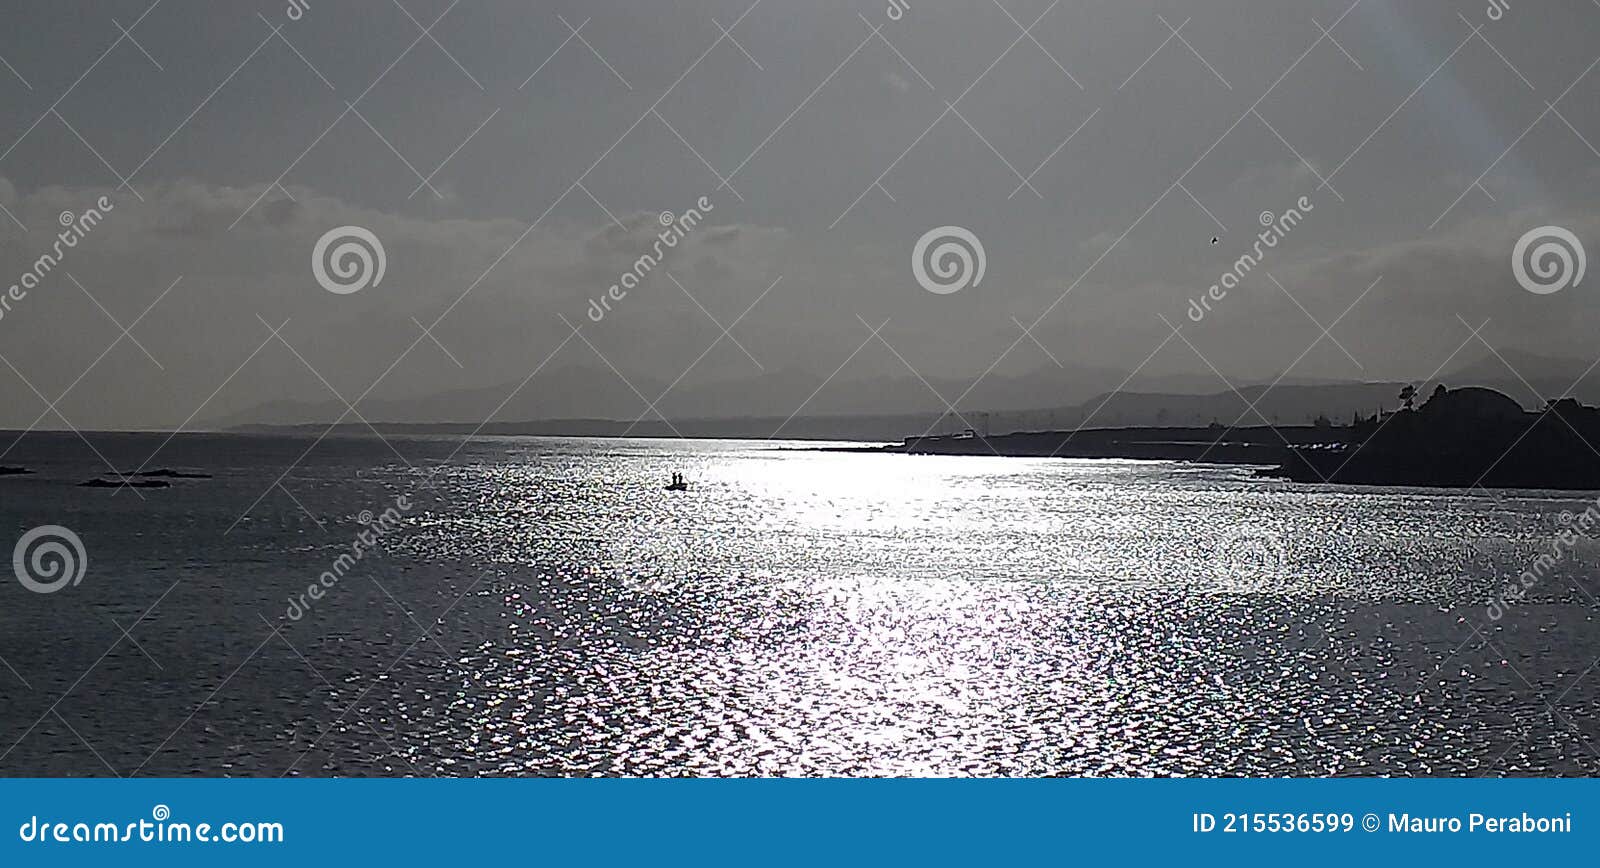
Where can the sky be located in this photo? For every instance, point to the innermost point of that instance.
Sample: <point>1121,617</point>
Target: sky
<point>1114,160</point>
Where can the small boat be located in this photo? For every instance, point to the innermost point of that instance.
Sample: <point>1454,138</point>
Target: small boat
<point>678,483</point>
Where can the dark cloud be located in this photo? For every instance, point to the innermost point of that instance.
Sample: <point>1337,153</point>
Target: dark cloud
<point>843,151</point>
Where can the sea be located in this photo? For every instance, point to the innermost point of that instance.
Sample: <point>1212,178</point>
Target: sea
<point>442,606</point>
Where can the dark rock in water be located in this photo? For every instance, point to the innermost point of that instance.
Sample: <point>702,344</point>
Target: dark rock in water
<point>14,471</point>
<point>166,473</point>
<point>1458,438</point>
<point>1464,438</point>
<point>132,483</point>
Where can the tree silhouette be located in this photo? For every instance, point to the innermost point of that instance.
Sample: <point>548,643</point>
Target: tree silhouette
<point>1408,397</point>
<point>1439,391</point>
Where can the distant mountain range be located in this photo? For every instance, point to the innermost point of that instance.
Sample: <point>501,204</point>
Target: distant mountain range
<point>599,393</point>
<point>1530,378</point>
<point>582,401</point>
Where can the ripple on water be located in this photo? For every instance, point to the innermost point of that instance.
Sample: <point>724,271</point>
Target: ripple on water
<point>548,609</point>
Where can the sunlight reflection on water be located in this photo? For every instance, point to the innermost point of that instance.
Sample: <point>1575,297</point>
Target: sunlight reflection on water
<point>815,613</point>
<point>549,609</point>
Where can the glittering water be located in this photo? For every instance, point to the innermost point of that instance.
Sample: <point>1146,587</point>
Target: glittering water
<point>546,608</point>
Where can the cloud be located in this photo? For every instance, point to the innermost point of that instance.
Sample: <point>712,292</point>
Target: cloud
<point>1468,267</point>
<point>502,292</point>
<point>500,288</point>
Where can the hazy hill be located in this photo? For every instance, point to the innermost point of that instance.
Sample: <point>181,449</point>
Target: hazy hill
<point>588,393</point>
<point>582,400</point>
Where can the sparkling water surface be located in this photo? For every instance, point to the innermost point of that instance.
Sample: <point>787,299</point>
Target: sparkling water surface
<point>544,607</point>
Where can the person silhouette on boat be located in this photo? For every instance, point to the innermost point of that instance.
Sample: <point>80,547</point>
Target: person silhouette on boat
<point>678,483</point>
